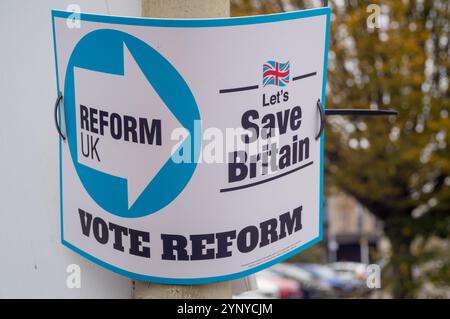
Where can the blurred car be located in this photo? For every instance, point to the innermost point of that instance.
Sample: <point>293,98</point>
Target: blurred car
<point>255,294</point>
<point>341,284</point>
<point>272,284</point>
<point>312,287</point>
<point>357,271</point>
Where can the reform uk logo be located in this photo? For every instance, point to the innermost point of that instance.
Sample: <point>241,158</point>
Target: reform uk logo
<point>120,110</point>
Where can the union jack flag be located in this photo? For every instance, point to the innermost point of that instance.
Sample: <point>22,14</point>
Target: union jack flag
<point>275,73</point>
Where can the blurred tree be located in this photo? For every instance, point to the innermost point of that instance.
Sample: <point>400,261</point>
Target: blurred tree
<point>398,167</point>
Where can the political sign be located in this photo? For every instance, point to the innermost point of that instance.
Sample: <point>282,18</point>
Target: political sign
<point>191,153</point>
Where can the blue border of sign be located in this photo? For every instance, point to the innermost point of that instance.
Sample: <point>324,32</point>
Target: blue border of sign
<point>198,23</point>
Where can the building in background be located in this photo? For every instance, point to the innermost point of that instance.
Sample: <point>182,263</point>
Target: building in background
<point>351,232</point>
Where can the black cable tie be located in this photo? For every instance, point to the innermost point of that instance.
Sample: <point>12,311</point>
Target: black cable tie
<point>322,119</point>
<point>57,103</point>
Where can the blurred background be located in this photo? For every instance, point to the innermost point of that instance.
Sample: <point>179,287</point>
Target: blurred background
<point>387,179</point>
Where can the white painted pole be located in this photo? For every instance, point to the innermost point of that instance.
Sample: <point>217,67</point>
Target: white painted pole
<point>183,9</point>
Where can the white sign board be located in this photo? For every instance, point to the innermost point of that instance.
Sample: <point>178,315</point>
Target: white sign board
<point>191,153</point>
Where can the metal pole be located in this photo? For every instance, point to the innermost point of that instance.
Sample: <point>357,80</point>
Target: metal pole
<point>183,9</point>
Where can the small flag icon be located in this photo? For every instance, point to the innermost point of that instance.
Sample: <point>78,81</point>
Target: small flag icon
<point>275,73</point>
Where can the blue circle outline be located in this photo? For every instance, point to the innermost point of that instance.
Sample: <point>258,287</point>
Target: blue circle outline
<point>102,51</point>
